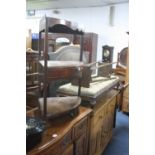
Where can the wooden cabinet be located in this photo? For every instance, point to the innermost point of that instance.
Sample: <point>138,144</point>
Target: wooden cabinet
<point>72,136</point>
<point>101,121</point>
<point>125,105</point>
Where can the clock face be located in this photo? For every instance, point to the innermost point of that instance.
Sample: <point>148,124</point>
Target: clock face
<point>106,53</point>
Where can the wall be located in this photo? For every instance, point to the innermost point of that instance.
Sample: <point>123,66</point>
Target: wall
<point>110,26</point>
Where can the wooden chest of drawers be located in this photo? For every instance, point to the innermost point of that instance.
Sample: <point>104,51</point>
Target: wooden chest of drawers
<point>72,136</point>
<point>101,121</point>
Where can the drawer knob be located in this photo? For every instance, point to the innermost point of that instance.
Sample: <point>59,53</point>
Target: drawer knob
<point>54,135</point>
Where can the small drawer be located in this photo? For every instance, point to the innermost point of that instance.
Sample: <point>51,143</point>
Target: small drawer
<point>59,147</point>
<point>80,128</point>
<point>66,140</point>
<point>54,150</point>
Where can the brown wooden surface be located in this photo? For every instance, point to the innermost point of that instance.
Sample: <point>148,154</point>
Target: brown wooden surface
<point>63,73</point>
<point>102,119</point>
<point>64,128</point>
<point>119,71</point>
<point>125,105</point>
<point>69,150</point>
<point>80,145</point>
<point>90,44</point>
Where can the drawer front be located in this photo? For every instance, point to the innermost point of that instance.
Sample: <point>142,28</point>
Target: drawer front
<point>92,145</point>
<point>58,148</point>
<point>80,128</point>
<point>66,140</point>
<point>81,145</point>
<point>69,150</point>
<point>52,151</point>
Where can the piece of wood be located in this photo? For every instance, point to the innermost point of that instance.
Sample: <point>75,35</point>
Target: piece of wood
<point>69,150</point>
<point>125,105</point>
<point>104,65</point>
<point>90,44</point>
<point>102,120</point>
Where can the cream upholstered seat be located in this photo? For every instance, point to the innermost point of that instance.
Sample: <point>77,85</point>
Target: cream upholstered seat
<point>101,85</point>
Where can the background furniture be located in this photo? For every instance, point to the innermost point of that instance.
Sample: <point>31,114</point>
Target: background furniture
<point>90,41</point>
<point>69,53</point>
<point>122,70</point>
<point>107,57</point>
<point>121,66</point>
<point>52,38</point>
<point>107,53</point>
<point>66,136</point>
<point>32,81</point>
<point>31,70</point>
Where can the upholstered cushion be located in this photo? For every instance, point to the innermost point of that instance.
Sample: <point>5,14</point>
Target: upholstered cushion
<point>97,87</point>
